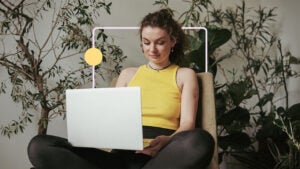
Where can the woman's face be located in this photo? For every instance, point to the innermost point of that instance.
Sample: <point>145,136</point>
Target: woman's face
<point>156,44</point>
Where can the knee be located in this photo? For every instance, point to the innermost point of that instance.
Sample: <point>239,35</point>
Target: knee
<point>41,145</point>
<point>204,141</point>
<point>36,145</point>
<point>200,141</point>
<point>197,145</point>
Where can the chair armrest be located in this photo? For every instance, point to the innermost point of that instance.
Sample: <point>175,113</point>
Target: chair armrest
<point>208,111</point>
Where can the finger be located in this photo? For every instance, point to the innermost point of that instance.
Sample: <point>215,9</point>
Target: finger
<point>147,152</point>
<point>154,142</point>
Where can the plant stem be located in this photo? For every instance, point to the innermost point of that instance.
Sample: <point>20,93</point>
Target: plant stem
<point>283,75</point>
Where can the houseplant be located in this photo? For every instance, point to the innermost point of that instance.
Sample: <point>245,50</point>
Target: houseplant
<point>266,70</point>
<point>38,62</point>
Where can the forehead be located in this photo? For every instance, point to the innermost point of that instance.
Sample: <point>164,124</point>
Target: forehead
<point>153,33</point>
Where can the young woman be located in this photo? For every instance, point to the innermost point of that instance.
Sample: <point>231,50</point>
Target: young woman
<point>169,106</point>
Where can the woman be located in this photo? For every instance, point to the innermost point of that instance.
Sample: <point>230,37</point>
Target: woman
<point>169,106</point>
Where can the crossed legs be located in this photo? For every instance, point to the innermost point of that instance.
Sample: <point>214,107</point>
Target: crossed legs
<point>188,149</point>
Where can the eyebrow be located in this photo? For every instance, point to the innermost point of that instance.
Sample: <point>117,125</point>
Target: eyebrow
<point>161,38</point>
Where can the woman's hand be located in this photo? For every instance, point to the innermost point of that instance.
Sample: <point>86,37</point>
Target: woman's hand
<point>155,145</point>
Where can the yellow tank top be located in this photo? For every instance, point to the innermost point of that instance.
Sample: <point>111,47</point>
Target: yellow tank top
<point>161,97</point>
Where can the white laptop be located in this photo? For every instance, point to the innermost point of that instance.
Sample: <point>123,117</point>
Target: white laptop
<point>107,118</point>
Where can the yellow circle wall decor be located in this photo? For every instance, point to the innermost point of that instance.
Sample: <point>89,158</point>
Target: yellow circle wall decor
<point>93,56</point>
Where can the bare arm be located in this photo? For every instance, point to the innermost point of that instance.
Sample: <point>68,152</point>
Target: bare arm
<point>188,82</point>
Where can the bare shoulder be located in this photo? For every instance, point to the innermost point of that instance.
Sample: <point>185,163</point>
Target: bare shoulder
<point>129,71</point>
<point>186,73</point>
<point>186,77</point>
<point>125,76</point>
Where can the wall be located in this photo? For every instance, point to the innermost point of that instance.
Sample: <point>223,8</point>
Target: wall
<point>13,150</point>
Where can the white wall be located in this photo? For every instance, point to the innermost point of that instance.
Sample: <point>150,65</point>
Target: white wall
<point>13,150</point>
<point>290,37</point>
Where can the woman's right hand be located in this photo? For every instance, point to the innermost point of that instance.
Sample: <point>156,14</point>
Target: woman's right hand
<point>155,145</point>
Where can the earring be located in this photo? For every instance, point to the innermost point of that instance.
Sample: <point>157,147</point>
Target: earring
<point>172,50</point>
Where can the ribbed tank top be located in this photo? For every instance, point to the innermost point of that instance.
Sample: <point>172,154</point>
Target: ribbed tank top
<point>161,97</point>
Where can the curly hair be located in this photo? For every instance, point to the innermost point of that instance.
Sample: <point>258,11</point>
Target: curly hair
<point>164,20</point>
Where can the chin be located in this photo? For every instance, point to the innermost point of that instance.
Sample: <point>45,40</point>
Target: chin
<point>153,59</point>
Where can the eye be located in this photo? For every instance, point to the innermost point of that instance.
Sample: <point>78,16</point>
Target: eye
<point>161,42</point>
<point>146,42</point>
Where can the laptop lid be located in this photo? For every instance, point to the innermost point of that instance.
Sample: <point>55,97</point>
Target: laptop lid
<point>105,118</point>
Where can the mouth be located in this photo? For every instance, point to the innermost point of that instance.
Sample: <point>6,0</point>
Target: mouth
<point>154,56</point>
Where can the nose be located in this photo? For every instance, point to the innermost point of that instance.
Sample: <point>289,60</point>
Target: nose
<point>153,48</point>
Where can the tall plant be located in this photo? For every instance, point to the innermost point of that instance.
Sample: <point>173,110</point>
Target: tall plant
<point>38,41</point>
<point>259,86</point>
<point>252,102</point>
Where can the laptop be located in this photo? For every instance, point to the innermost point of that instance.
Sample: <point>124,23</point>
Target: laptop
<point>108,118</point>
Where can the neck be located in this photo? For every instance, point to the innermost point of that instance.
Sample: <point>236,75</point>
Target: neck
<point>158,68</point>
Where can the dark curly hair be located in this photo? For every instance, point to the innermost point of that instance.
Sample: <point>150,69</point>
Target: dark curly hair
<point>164,20</point>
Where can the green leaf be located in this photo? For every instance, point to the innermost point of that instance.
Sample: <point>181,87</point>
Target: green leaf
<point>2,88</point>
<point>294,60</point>
<point>265,99</point>
<point>21,128</point>
<point>19,81</point>
<point>240,91</point>
<point>196,60</point>
<point>237,141</point>
<point>220,104</point>
<point>281,111</point>
<point>37,96</point>
<point>194,43</point>
<point>252,160</point>
<point>269,129</point>
<point>237,117</point>
<point>216,37</point>
<point>294,112</point>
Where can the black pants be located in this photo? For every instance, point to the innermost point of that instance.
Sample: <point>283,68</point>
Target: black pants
<point>186,150</point>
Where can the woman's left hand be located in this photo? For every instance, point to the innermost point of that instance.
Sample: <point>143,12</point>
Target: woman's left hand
<point>155,145</point>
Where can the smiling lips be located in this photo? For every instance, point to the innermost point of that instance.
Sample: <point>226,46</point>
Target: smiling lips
<point>154,56</point>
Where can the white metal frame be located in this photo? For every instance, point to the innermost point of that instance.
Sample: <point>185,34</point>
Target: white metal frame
<point>136,28</point>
